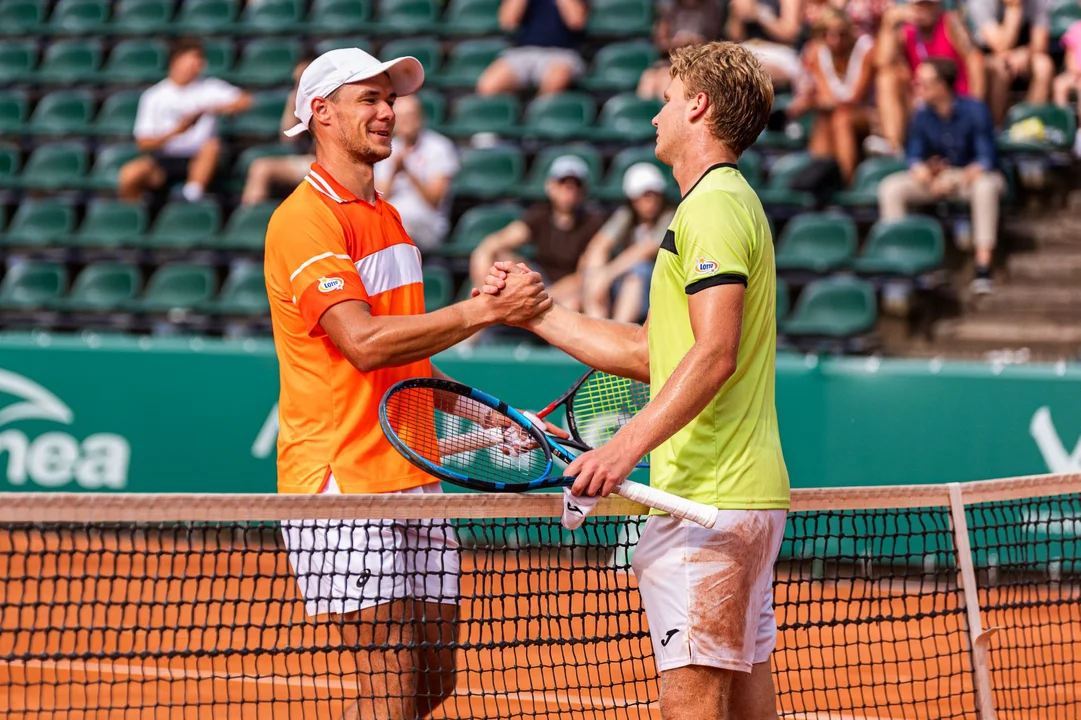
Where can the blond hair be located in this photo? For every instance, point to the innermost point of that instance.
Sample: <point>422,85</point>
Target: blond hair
<point>740,91</point>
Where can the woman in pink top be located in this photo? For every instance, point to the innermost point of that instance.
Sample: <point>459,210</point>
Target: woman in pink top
<point>1070,78</point>
<point>911,33</point>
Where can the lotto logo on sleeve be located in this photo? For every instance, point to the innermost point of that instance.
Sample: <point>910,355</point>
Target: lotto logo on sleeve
<point>327,285</point>
<point>703,266</point>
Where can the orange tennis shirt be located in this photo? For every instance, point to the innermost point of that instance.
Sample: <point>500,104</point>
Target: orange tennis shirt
<point>325,246</point>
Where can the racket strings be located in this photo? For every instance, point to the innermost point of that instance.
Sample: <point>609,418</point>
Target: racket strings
<point>604,404</point>
<point>464,436</point>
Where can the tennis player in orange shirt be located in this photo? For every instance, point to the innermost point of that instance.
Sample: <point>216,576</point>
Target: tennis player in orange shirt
<point>347,306</point>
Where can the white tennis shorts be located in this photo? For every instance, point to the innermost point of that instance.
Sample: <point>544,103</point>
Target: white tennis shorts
<point>708,594</point>
<point>347,565</point>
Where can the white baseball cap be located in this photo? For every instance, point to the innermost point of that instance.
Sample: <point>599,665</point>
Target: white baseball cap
<point>641,178</point>
<point>568,166</point>
<point>331,70</point>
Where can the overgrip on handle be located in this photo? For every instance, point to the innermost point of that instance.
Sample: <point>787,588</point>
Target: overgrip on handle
<point>704,515</point>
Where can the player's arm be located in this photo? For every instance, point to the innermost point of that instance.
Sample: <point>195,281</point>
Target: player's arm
<point>613,347</point>
<point>484,255</point>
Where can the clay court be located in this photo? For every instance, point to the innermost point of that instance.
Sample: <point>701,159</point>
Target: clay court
<point>128,623</point>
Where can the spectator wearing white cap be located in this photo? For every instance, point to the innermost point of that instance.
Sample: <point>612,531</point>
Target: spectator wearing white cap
<point>617,264</point>
<point>558,230</point>
<point>416,179</point>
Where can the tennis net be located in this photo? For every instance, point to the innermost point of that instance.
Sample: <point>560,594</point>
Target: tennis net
<point>182,606</point>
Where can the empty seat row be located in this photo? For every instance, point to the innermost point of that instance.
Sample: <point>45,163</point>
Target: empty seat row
<point>823,243</point>
<point>118,287</point>
<point>107,224</point>
<point>829,308</point>
<point>139,17</point>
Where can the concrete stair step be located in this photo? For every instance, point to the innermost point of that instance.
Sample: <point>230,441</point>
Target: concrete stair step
<point>1048,266</point>
<point>1043,300</point>
<point>1011,332</point>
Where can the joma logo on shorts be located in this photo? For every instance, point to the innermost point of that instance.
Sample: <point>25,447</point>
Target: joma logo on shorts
<point>668,636</point>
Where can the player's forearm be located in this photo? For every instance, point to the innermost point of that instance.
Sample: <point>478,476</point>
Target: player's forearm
<point>614,347</point>
<point>694,383</point>
<point>393,340</point>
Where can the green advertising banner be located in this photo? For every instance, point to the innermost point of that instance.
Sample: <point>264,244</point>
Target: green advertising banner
<point>149,415</point>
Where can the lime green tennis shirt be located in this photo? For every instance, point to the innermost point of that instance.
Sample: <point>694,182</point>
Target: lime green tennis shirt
<point>729,456</point>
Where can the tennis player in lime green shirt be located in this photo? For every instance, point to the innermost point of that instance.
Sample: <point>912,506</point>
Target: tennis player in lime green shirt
<point>707,349</point>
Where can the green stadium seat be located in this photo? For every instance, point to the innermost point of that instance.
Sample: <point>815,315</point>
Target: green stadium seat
<point>533,186</point>
<point>21,17</point>
<point>467,60</point>
<point>14,110</point>
<point>619,66</point>
<point>784,301</point>
<point>817,242</point>
<point>1062,17</point>
<point>438,288</point>
<point>611,188</point>
<point>70,61</point>
<point>103,175</point>
<point>10,164</point>
<point>476,224</point>
<point>1059,128</point>
<point>142,17</point>
<point>781,176</point>
<point>323,46</point>
<point>65,112</point>
<point>103,287</point>
<point>750,166</point>
<point>111,224</point>
<point>262,119</point>
<point>907,247</point>
<point>246,228</point>
<point>32,285</point>
<point>206,17</point>
<point>271,17</point>
<point>562,116</point>
<point>136,61</point>
<point>795,133</point>
<point>18,59</point>
<point>627,118</point>
<point>182,225</point>
<point>117,114</point>
<point>339,16</point>
<point>242,294</point>
<point>474,114</point>
<point>407,17</point>
<point>869,174</point>
<point>471,17</point>
<point>177,286</point>
<point>39,222</point>
<point>620,18</point>
<point>836,307</point>
<point>488,172</point>
<point>220,56</point>
<point>434,106</point>
<point>79,17</point>
<point>424,49</point>
<point>266,61</point>
<point>54,166</point>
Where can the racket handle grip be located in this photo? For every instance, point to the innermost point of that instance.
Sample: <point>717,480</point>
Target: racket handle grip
<point>704,515</point>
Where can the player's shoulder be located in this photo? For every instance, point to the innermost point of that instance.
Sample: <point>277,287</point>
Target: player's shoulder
<point>302,211</point>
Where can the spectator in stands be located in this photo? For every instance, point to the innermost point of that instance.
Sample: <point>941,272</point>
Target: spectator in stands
<point>681,22</point>
<point>175,127</point>
<point>911,33</point>
<point>416,179</point>
<point>559,231</point>
<point>1015,35</point>
<point>771,30</point>
<point>866,15</point>
<point>951,156</point>
<point>266,172</point>
<point>1069,81</point>
<point>840,64</point>
<point>619,260</point>
<point>547,36</point>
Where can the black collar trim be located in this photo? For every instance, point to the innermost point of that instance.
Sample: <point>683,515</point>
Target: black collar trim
<point>710,169</point>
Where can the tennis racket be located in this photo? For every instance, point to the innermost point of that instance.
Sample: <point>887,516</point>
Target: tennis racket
<point>471,439</point>
<point>598,404</point>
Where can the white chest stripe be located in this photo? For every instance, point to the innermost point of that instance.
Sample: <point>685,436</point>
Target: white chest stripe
<point>392,267</point>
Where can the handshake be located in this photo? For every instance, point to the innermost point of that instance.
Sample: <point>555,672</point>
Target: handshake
<point>512,294</point>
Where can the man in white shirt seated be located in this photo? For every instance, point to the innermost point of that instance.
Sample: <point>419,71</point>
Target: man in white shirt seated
<point>176,127</point>
<point>416,179</point>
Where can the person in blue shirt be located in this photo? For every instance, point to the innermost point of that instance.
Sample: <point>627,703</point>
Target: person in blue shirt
<point>951,156</point>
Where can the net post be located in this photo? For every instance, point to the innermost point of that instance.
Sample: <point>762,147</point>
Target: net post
<point>981,666</point>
